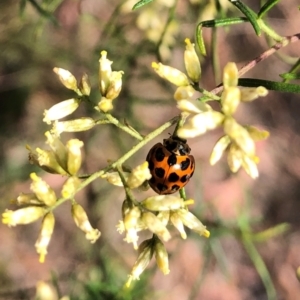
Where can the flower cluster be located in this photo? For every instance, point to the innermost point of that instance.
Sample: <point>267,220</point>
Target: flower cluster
<point>239,140</point>
<point>110,83</point>
<point>65,158</point>
<point>155,214</point>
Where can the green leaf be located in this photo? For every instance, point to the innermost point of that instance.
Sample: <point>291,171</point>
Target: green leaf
<point>223,22</point>
<point>270,85</point>
<point>249,13</point>
<point>140,4</point>
<point>289,76</point>
<point>271,232</point>
<point>214,23</point>
<point>200,40</point>
<point>266,7</point>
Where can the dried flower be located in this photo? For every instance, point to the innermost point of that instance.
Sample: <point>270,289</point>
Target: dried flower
<point>85,85</point>
<point>171,74</point>
<point>60,110</point>
<point>191,60</point>
<point>24,215</point>
<point>104,73</point>
<point>70,186</point>
<point>74,155</point>
<point>155,225</point>
<point>42,190</point>
<point>46,231</point>
<point>75,125</point>
<point>161,256</point>
<point>46,160</point>
<point>81,220</point>
<point>145,254</point>
<point>138,175</point>
<point>67,79</point>
<point>164,202</point>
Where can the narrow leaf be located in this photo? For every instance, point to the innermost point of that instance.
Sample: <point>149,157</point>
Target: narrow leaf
<point>140,4</point>
<point>270,85</point>
<point>249,14</point>
<point>266,7</point>
<point>289,76</point>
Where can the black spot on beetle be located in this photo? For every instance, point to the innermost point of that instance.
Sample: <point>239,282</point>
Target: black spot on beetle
<point>173,177</point>
<point>175,188</point>
<point>161,187</point>
<point>185,178</point>
<point>185,164</point>
<point>159,172</point>
<point>172,160</point>
<point>159,154</point>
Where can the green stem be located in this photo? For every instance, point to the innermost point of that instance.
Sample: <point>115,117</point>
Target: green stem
<point>128,192</point>
<point>122,159</point>
<point>269,31</point>
<point>123,127</point>
<point>260,267</point>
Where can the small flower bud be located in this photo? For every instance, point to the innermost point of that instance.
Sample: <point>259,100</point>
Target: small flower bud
<point>42,190</point>
<point>193,106</point>
<point>82,222</point>
<point>200,123</point>
<point>44,291</point>
<point>257,134</point>
<point>145,254</point>
<point>156,226</point>
<point>85,85</point>
<point>45,236</point>
<point>115,85</point>
<point>177,222</point>
<point>192,222</point>
<point>60,110</point>
<point>250,94</point>
<point>114,178</point>
<point>24,215</point>
<point>249,165</point>
<point>27,199</point>
<point>171,74</point>
<point>105,105</point>
<point>163,203</point>
<point>230,75</point>
<point>161,256</point>
<point>104,73</point>
<point>219,148</point>
<point>132,218</point>
<point>164,217</point>
<point>46,160</point>
<point>70,187</point>
<point>74,155</point>
<point>184,92</point>
<point>191,61</point>
<point>138,175</point>
<point>240,135</point>
<point>234,158</point>
<point>230,100</point>
<point>58,148</point>
<point>132,224</point>
<point>75,125</point>
<point>67,79</point>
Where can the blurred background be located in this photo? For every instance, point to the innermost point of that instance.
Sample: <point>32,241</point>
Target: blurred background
<point>253,251</point>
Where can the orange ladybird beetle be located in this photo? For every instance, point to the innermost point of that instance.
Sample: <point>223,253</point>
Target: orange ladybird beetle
<point>170,165</point>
